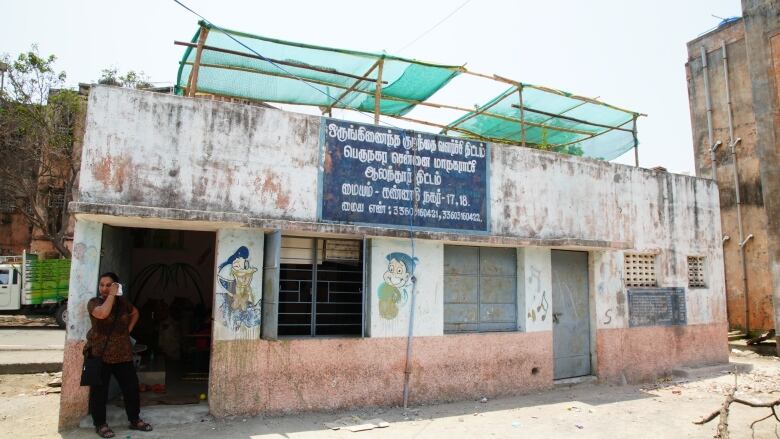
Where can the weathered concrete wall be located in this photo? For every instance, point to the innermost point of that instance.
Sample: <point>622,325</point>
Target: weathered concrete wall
<point>180,158</point>
<point>321,374</point>
<point>390,317</point>
<point>754,215</point>
<point>534,300</point>
<point>641,354</point>
<point>14,234</point>
<point>761,27</point>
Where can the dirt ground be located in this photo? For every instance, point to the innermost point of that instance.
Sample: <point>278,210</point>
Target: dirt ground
<point>664,409</point>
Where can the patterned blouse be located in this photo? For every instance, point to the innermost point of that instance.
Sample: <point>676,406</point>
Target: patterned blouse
<point>119,349</point>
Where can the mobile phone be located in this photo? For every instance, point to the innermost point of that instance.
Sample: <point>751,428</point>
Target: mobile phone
<point>119,289</point>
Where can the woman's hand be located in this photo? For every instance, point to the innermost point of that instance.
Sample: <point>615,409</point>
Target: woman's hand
<point>113,289</point>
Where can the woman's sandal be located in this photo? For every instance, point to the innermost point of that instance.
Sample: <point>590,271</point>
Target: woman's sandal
<point>140,426</point>
<point>104,431</point>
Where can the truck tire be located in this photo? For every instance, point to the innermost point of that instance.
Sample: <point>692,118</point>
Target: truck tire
<point>61,315</point>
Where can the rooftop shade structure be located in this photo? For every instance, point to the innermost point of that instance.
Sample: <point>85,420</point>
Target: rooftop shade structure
<point>550,119</point>
<point>229,63</point>
<point>338,78</point>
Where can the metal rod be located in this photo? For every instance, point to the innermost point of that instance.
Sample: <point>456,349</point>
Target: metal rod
<point>378,90</point>
<point>708,103</point>
<point>313,329</point>
<point>410,336</point>
<point>276,61</point>
<point>522,116</point>
<point>740,228</point>
<point>192,86</point>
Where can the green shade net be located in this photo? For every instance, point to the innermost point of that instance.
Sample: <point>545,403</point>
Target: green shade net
<point>257,79</point>
<point>555,121</point>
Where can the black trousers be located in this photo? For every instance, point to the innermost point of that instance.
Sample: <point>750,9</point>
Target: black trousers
<point>128,382</point>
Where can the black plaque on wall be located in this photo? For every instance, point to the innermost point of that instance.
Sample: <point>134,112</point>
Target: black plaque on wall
<point>656,307</point>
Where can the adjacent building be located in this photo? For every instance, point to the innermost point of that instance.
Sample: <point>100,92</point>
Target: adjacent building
<point>732,74</point>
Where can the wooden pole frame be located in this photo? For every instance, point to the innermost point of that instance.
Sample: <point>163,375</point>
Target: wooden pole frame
<point>276,61</point>
<point>350,89</point>
<point>378,90</point>
<point>192,83</point>
<point>522,115</point>
<point>572,119</point>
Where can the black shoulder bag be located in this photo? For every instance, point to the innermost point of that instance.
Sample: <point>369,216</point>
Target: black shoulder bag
<point>93,366</point>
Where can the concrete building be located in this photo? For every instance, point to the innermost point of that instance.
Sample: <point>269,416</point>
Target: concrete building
<point>732,85</point>
<point>583,267</point>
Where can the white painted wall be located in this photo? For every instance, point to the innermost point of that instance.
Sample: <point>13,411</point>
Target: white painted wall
<point>429,300</point>
<point>237,310</point>
<point>163,151</point>
<point>534,281</point>
<point>84,266</point>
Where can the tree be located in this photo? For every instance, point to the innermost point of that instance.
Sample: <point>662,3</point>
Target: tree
<point>131,79</point>
<point>38,168</point>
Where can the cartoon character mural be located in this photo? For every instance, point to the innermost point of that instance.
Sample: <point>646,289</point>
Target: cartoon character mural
<point>240,305</point>
<point>398,282</point>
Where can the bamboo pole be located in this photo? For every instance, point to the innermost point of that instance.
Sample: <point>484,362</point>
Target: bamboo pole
<point>350,89</point>
<point>572,119</point>
<point>478,111</point>
<point>548,90</point>
<point>592,135</point>
<point>460,130</point>
<point>276,61</point>
<point>378,90</point>
<point>522,116</point>
<point>409,101</point>
<point>192,85</point>
<point>636,144</point>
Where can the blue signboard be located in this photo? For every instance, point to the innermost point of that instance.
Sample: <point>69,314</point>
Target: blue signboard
<point>385,176</point>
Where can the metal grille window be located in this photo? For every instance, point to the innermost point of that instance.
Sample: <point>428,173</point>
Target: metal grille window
<point>7,204</point>
<point>57,198</point>
<point>320,287</point>
<point>640,270</point>
<point>696,277</point>
<point>480,289</point>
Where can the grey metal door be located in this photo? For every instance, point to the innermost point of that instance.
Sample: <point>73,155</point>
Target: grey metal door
<point>480,289</point>
<point>571,314</point>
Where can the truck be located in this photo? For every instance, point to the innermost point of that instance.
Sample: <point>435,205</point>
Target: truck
<point>30,285</point>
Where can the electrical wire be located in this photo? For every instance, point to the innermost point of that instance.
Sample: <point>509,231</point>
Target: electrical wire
<point>263,58</point>
<point>413,202</point>
<point>434,26</point>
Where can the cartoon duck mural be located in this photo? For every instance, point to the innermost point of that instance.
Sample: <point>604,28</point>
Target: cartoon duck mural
<point>398,280</point>
<point>240,306</point>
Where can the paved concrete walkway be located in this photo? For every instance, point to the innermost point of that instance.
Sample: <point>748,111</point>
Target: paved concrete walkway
<point>31,350</point>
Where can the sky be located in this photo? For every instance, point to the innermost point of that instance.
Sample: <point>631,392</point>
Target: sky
<point>628,53</point>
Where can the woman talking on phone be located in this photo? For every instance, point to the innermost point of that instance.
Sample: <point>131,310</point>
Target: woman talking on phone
<point>113,318</point>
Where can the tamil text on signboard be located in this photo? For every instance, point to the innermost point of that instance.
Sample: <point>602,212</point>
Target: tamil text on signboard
<point>385,176</point>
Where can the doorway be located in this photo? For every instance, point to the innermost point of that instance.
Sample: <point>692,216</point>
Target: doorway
<point>168,275</point>
<point>571,314</point>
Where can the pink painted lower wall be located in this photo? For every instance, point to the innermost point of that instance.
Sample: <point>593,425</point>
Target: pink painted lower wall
<point>642,354</point>
<point>74,398</point>
<point>258,376</point>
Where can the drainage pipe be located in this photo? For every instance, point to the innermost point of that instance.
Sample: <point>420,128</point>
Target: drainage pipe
<point>711,143</point>
<point>733,147</point>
